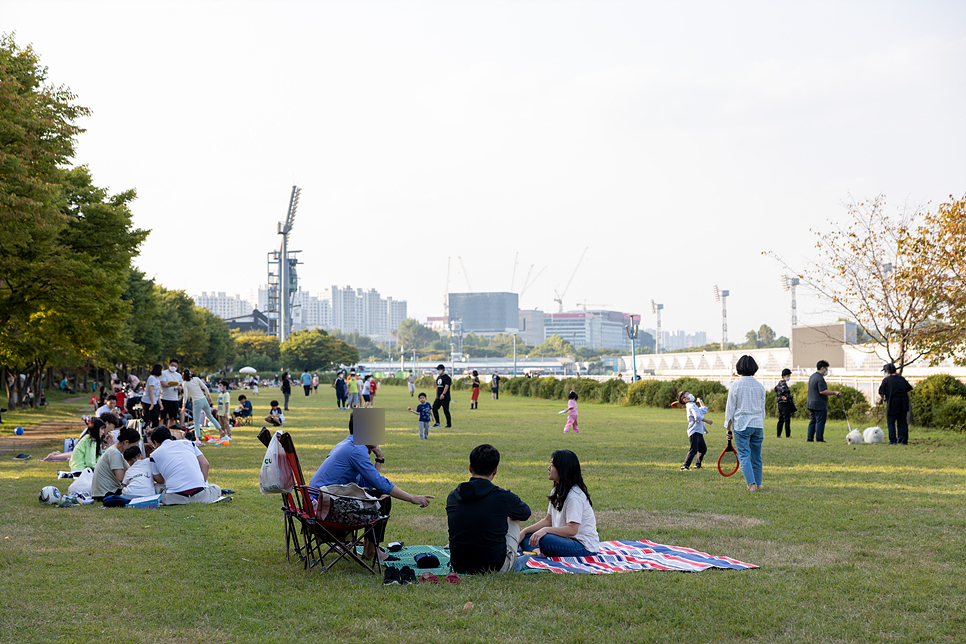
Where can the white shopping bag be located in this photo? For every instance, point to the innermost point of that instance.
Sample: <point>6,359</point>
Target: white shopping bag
<point>275,476</point>
<point>83,483</point>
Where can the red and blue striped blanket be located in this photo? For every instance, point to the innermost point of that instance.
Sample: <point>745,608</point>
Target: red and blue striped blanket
<point>627,556</point>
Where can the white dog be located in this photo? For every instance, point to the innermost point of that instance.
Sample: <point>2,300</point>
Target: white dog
<point>872,435</point>
<point>854,437</point>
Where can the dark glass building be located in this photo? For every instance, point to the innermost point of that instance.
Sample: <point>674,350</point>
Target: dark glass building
<point>485,312</point>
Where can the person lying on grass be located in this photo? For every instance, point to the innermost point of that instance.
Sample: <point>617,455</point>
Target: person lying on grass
<point>349,463</point>
<point>570,527</point>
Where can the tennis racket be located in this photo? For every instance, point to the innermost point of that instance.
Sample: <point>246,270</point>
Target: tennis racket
<point>679,405</point>
<point>728,461</point>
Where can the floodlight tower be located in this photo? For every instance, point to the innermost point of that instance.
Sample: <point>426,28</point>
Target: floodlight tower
<point>659,340</point>
<point>722,296</point>
<point>286,269</point>
<point>789,284</point>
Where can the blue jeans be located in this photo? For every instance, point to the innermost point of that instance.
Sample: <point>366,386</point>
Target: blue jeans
<point>816,424</point>
<point>552,545</point>
<point>748,445</point>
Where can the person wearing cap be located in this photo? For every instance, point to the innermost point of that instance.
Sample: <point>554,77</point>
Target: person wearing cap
<point>443,384</point>
<point>895,393</point>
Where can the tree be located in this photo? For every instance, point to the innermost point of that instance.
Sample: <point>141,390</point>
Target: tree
<point>410,334</point>
<point>938,249</point>
<point>251,342</point>
<point>864,270</point>
<point>766,336</point>
<point>314,349</point>
<point>751,340</point>
<point>555,347</point>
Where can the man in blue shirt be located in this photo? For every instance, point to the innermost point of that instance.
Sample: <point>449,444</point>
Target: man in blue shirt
<point>349,463</point>
<point>306,379</point>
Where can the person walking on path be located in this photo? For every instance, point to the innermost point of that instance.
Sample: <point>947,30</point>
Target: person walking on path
<point>745,420</point>
<point>818,393</point>
<point>286,388</point>
<point>443,384</point>
<point>306,380</point>
<point>495,386</point>
<point>786,403</point>
<point>411,380</point>
<point>895,393</point>
<point>341,391</point>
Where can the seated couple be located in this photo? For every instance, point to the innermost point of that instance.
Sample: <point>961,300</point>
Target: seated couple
<point>484,520</point>
<point>349,462</point>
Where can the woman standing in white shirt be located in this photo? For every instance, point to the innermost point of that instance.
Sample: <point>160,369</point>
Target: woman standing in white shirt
<point>570,527</point>
<point>151,402</point>
<point>196,390</point>
<point>745,420</point>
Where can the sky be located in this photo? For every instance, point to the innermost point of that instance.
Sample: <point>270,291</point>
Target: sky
<point>675,142</point>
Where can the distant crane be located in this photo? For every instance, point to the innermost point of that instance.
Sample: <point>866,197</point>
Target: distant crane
<point>513,277</point>
<point>527,283</point>
<point>465,275</point>
<point>584,304</point>
<point>559,298</point>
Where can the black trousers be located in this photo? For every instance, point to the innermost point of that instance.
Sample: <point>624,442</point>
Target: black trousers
<point>785,418</point>
<point>698,446</point>
<point>898,422</point>
<point>152,416</point>
<point>444,403</point>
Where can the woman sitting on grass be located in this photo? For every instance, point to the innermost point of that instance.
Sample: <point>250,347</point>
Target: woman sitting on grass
<point>570,527</point>
<point>88,449</point>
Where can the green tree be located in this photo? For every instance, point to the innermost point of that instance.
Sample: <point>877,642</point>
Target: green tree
<point>314,349</point>
<point>554,347</point>
<point>765,335</point>
<point>410,334</point>
<point>251,342</point>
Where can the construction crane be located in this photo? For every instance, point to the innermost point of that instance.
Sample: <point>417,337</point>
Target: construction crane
<point>584,304</point>
<point>446,291</point>
<point>527,283</point>
<point>513,277</point>
<point>560,296</point>
<point>465,275</point>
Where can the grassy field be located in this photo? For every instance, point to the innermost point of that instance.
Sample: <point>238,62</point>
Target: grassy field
<point>855,544</point>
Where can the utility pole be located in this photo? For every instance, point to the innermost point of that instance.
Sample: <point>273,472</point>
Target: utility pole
<point>722,296</point>
<point>659,340</point>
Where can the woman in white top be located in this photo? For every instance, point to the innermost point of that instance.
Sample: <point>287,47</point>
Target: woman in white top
<point>196,390</point>
<point>151,402</point>
<point>745,420</point>
<point>570,527</point>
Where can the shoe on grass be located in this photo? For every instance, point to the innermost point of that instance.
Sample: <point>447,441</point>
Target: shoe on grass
<point>21,457</point>
<point>407,576</point>
<point>392,577</point>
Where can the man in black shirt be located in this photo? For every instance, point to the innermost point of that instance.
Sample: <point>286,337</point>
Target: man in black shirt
<point>484,520</point>
<point>895,392</point>
<point>443,384</point>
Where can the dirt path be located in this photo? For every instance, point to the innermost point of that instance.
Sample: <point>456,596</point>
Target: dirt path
<point>49,434</point>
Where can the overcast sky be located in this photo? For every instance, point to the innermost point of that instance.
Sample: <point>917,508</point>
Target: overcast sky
<point>676,141</point>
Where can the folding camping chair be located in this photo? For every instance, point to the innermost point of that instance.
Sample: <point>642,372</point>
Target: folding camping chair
<point>323,538</point>
<point>293,517</point>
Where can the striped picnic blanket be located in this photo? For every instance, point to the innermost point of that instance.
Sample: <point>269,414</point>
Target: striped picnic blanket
<point>627,556</point>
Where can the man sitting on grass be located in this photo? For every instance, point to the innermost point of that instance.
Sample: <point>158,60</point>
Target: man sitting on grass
<point>183,470</point>
<point>484,520</point>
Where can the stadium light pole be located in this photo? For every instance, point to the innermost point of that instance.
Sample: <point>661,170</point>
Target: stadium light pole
<point>659,341</point>
<point>631,330</point>
<point>722,296</point>
<point>789,284</point>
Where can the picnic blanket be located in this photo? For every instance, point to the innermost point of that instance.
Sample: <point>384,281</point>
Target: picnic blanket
<point>627,556</point>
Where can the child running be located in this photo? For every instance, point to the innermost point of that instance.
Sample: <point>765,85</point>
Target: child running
<point>696,429</point>
<point>424,410</point>
<point>475,404</point>
<point>572,413</point>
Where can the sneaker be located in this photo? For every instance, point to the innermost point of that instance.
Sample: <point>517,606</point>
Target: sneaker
<point>407,576</point>
<point>685,467</point>
<point>697,466</point>
<point>436,425</point>
<point>392,577</point>
<point>21,457</point>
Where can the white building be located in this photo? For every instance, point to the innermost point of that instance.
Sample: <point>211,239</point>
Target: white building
<point>222,305</point>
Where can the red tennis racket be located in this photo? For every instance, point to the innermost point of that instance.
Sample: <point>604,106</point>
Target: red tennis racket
<point>728,461</point>
<point>679,405</point>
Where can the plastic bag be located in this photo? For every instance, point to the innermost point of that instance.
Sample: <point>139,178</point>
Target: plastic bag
<point>83,483</point>
<point>275,476</point>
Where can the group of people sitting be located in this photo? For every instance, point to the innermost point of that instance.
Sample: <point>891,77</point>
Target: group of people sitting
<point>485,531</point>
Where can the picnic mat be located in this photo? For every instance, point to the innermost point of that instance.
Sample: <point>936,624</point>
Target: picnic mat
<point>627,556</point>
<point>407,558</point>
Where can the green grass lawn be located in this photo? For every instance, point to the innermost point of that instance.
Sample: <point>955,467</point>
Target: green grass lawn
<point>855,544</point>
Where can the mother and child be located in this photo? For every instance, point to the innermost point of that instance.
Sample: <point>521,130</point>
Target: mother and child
<point>484,520</point>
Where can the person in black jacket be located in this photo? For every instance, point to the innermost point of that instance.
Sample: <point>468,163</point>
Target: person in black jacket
<point>786,403</point>
<point>286,388</point>
<point>484,520</point>
<point>895,393</point>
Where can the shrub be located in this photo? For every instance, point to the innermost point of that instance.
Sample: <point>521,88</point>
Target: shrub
<point>716,402</point>
<point>771,404</point>
<point>951,414</point>
<point>800,396</point>
<point>636,393</point>
<point>587,390</point>
<point>850,396</point>
<point>511,385</point>
<point>613,391</point>
<point>928,395</point>
<point>550,388</point>
<point>700,388</point>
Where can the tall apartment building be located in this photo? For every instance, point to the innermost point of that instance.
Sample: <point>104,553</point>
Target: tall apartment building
<point>222,305</point>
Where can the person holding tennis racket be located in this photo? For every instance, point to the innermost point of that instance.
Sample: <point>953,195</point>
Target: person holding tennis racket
<point>745,420</point>
<point>696,410</point>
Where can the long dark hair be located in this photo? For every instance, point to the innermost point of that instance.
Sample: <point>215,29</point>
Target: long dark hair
<point>568,470</point>
<point>96,431</point>
<point>157,370</point>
